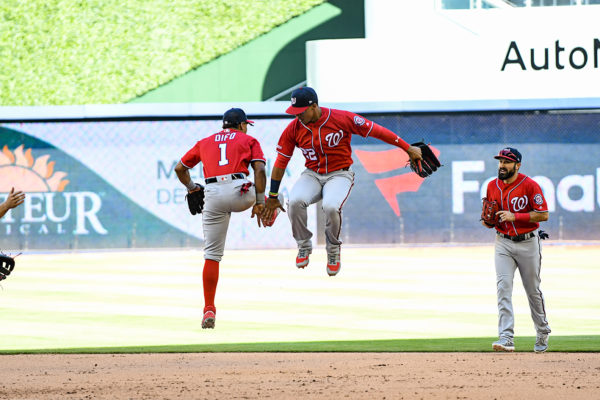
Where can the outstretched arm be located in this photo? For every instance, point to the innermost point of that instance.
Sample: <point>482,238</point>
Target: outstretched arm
<point>385,135</point>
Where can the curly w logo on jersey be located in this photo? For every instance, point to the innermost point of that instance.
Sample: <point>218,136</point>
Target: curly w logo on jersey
<point>519,203</point>
<point>334,138</point>
<point>377,162</point>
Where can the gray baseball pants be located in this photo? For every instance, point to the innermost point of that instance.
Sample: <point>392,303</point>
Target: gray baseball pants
<point>333,188</point>
<point>527,257</point>
<point>220,200</point>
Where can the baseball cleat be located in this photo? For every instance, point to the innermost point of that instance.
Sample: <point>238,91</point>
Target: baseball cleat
<point>541,343</point>
<point>208,321</point>
<point>333,264</point>
<point>503,344</point>
<point>302,258</point>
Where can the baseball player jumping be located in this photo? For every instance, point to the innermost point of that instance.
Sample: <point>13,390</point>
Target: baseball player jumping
<point>522,206</point>
<point>323,135</point>
<point>225,158</point>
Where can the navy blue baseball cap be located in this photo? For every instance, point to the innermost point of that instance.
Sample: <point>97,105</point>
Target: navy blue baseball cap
<point>236,116</point>
<point>302,98</point>
<point>509,153</point>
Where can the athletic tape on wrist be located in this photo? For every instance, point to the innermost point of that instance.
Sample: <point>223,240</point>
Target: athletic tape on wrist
<point>191,185</point>
<point>260,198</point>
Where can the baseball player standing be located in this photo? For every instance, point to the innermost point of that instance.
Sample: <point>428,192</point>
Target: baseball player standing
<point>225,158</point>
<point>323,135</point>
<point>522,206</point>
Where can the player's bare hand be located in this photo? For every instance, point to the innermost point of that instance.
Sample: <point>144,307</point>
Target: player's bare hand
<point>414,153</point>
<point>257,211</point>
<point>14,198</point>
<point>271,205</point>
<point>505,216</point>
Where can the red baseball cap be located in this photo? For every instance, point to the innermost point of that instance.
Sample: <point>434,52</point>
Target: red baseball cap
<point>510,154</point>
<point>302,98</point>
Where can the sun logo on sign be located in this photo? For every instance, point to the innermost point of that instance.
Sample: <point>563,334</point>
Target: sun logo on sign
<point>19,169</point>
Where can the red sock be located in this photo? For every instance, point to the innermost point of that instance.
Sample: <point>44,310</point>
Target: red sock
<point>210,277</point>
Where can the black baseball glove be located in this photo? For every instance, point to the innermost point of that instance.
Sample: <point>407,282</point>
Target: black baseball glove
<point>7,264</point>
<point>195,199</point>
<point>428,165</point>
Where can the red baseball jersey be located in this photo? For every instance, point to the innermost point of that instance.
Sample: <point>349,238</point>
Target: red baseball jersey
<point>521,196</point>
<point>326,143</point>
<point>226,152</point>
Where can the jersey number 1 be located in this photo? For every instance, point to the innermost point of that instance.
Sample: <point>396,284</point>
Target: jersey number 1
<point>223,148</point>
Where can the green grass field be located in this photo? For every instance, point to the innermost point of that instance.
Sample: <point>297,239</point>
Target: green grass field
<point>384,299</point>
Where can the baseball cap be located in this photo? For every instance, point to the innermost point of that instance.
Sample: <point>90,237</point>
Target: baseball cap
<point>302,98</point>
<point>235,116</point>
<point>509,153</point>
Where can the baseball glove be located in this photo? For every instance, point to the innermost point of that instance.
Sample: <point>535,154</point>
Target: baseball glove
<point>488,212</point>
<point>195,200</point>
<point>428,165</point>
<point>7,264</point>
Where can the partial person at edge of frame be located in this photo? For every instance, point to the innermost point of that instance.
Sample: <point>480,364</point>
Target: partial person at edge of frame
<point>13,200</point>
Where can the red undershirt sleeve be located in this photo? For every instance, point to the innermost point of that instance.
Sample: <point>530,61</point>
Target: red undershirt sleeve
<point>388,136</point>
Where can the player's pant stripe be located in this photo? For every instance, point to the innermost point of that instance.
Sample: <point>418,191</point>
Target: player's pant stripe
<point>337,236</point>
<point>539,277</point>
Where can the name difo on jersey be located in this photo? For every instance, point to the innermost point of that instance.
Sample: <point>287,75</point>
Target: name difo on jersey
<point>575,193</point>
<point>45,213</point>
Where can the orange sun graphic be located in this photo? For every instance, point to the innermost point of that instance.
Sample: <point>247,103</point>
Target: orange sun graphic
<point>20,170</point>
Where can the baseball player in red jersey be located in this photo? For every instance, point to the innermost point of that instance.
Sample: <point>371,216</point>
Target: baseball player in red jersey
<point>323,135</point>
<point>225,158</point>
<point>522,207</point>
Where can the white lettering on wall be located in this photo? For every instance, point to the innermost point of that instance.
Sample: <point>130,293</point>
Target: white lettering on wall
<point>89,214</point>
<point>460,186</point>
<point>586,202</point>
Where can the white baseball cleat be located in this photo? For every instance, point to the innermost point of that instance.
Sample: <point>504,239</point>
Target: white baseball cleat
<point>541,343</point>
<point>503,344</point>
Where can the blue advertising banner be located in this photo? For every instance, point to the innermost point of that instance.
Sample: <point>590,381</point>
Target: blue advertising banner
<point>389,204</point>
<point>111,184</point>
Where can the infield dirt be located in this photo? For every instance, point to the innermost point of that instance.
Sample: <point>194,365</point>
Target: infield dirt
<point>303,375</point>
